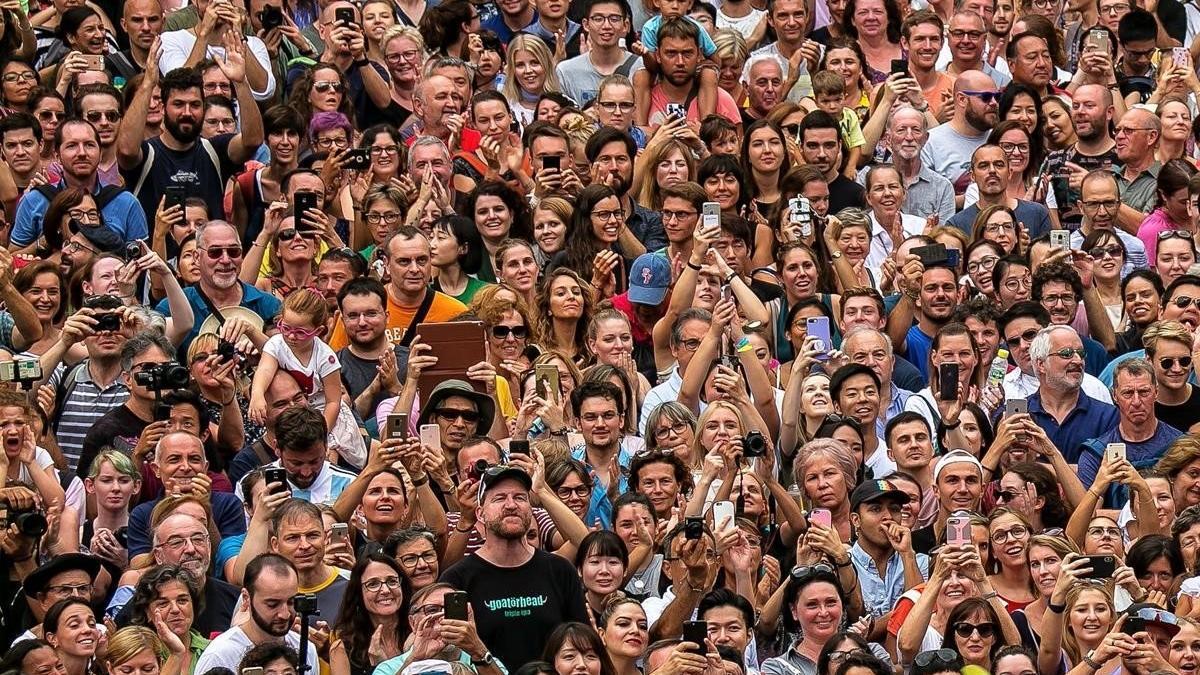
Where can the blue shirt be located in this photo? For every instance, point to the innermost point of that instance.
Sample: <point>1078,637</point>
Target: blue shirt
<point>263,304</point>
<point>1089,418</point>
<point>1034,216</point>
<point>881,593</point>
<point>916,349</point>
<point>650,35</point>
<point>1142,455</point>
<point>601,506</point>
<point>123,215</point>
<point>895,406</point>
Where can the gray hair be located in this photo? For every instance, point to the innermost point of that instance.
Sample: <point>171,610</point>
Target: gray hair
<point>1133,368</point>
<point>826,448</point>
<point>689,314</point>
<point>1039,349</point>
<point>207,225</point>
<point>867,330</point>
<point>140,344</point>
<point>447,62</point>
<point>759,58</point>
<point>909,108</point>
<point>193,438</point>
<point>423,141</point>
<point>672,411</point>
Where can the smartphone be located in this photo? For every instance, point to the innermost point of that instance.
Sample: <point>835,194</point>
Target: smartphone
<point>339,532</point>
<point>1097,40</point>
<point>1060,239</point>
<point>276,475</point>
<point>676,111</point>
<point>518,447</point>
<point>1054,164</point>
<point>822,517</point>
<point>397,425</point>
<point>552,162</point>
<point>696,632</point>
<point>900,66</point>
<point>710,215</point>
<point>175,195</point>
<point>932,255</point>
<point>344,16</point>
<point>94,61</point>
<point>431,436</point>
<point>1133,625</point>
<point>1180,56</point>
<point>818,327</point>
<point>721,511</point>
<point>358,159</point>
<point>952,258</point>
<point>958,530</point>
<point>29,369</point>
<point>545,378</point>
<point>1103,566</point>
<point>693,527</point>
<point>301,203</point>
<point>1114,452</point>
<point>948,382</point>
<point>455,606</point>
<point>1016,406</point>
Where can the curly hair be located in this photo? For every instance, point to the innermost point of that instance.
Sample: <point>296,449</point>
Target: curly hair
<point>545,320</point>
<point>493,310</point>
<point>150,584</point>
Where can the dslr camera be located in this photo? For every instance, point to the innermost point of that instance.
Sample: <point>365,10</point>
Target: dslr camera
<point>754,444</point>
<point>30,522</point>
<point>163,377</point>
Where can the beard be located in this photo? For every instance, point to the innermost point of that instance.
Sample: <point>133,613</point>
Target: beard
<point>177,130</point>
<point>266,626</point>
<point>497,528</point>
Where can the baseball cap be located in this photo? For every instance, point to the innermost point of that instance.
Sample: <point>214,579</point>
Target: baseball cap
<point>649,279</point>
<point>494,474</point>
<point>103,239</point>
<point>954,457</point>
<point>875,490</point>
<point>1153,614</point>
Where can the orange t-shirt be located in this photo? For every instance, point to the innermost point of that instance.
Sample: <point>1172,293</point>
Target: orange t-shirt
<point>444,308</point>
<point>933,95</point>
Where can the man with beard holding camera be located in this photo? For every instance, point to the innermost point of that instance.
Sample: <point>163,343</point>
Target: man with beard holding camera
<point>269,598</point>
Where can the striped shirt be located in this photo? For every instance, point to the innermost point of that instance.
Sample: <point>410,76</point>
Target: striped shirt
<point>83,408</point>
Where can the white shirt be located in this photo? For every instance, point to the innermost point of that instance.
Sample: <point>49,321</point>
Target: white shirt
<point>744,24</point>
<point>177,46</point>
<point>659,394</point>
<point>1018,384</point>
<point>227,649</point>
<point>881,239</point>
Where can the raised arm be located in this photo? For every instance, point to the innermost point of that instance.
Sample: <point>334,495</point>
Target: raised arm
<point>133,124</point>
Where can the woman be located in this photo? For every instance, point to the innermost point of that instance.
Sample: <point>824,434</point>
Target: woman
<point>80,31</point>
<point>1031,489</point>
<point>952,581</point>
<point>1176,118</point>
<point>499,158</point>
<point>1046,554</point>
<point>1021,103</point>
<point>1184,655</point>
<point>509,331</point>
<point>1156,563</point>
<point>594,230</point>
<point>446,26</point>
<point>666,163</point>
<point>1141,297</point>
<point>601,562</point>
<point>1171,210</point>
<point>387,504</point>
<point>1059,129</point>
<point>32,657</point>
<point>373,622</point>
<point>516,268</point>
<point>140,650</point>
<point>1108,256</point>
<point>170,594</point>
<point>550,220</point>
<point>388,154</point>
<point>981,256</point>
<point>826,472</point>
<point>610,340</point>
<point>671,427</point>
<point>813,607</point>
<point>322,88</point>
<point>625,634</point>
<point>852,230</point>
<point>875,26</point>
<point>732,52</point>
<point>17,80</point>
<point>71,209</point>
<point>214,377</point>
<point>48,107</point>
<point>383,210</point>
<point>953,343</point>
<point>42,285</point>
<point>1176,252</point>
<point>765,160</point>
<point>845,57</point>
<point>805,277</point>
<point>838,648</point>
<point>456,253</point>
<point>528,73</point>
<point>572,482</point>
<point>499,213</point>
<point>70,627</point>
<point>413,548</point>
<point>1080,629</point>
<point>404,53</point>
<point>378,16</point>
<point>576,649</point>
<point>1009,557</point>
<point>722,178</point>
<point>979,632</point>
<point>998,224</point>
<point>815,406</point>
<point>113,481</point>
<point>292,261</point>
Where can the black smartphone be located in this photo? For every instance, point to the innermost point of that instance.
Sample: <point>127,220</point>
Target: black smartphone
<point>1133,625</point>
<point>344,16</point>
<point>900,66</point>
<point>276,475</point>
<point>516,447</point>
<point>301,203</point>
<point>696,632</point>
<point>397,426</point>
<point>948,381</point>
<point>176,195</point>
<point>455,606</point>
<point>932,255</point>
<point>358,159</point>
<point>952,258</point>
<point>1103,566</point>
<point>552,162</point>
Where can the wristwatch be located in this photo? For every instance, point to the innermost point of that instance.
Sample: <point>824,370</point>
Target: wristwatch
<point>487,660</point>
<point>835,255</point>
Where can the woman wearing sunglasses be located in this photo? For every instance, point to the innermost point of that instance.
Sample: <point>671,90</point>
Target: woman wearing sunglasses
<point>838,648</point>
<point>508,328</point>
<point>321,89</point>
<point>1108,260</point>
<point>1176,252</point>
<point>292,257</point>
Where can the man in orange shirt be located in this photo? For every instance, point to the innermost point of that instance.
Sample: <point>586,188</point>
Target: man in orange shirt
<point>406,255</point>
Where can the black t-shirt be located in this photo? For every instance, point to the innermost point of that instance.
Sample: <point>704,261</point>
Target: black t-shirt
<point>118,429</point>
<point>357,374</point>
<point>220,599</point>
<point>1181,416</point>
<point>516,608</point>
<point>844,192</point>
<point>195,169</point>
<point>1068,200</point>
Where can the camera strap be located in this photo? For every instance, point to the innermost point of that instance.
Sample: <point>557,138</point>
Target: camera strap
<point>410,333</point>
<point>212,308</point>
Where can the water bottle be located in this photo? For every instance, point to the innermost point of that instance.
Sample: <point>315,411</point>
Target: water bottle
<point>998,369</point>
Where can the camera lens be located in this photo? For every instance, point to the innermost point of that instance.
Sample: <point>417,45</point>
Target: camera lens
<point>31,524</point>
<point>754,445</point>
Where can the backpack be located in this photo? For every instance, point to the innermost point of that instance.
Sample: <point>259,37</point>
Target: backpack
<point>66,387</point>
<point>102,198</point>
<point>148,162</point>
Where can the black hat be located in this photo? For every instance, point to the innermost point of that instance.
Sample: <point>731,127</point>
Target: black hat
<point>874,490</point>
<point>104,239</point>
<point>494,474</point>
<point>1153,614</point>
<point>38,579</point>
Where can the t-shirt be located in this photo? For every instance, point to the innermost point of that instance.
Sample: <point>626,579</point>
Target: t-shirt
<point>321,362</point>
<point>443,308</point>
<point>201,174</point>
<point>227,649</point>
<point>516,608</point>
<point>726,107</point>
<point>742,24</point>
<point>1181,416</point>
<point>580,80</point>
<point>177,46</point>
<point>851,129</point>
<point>845,193</point>
<point>357,375</point>
<point>916,349</point>
<point>1034,216</point>
<point>949,153</point>
<point>122,215</point>
<point>263,304</point>
<point>118,429</point>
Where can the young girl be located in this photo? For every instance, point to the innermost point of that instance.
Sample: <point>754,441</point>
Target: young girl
<point>297,350</point>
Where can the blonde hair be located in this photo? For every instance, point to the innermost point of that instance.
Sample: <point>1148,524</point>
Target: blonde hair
<point>309,304</point>
<point>698,449</point>
<point>401,31</point>
<point>561,208</point>
<point>534,45</point>
<point>127,643</point>
<point>730,45</point>
<point>1069,644</point>
<point>1165,330</point>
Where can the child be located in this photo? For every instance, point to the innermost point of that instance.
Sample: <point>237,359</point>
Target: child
<point>829,90</point>
<point>297,350</point>
<point>720,136</point>
<point>647,47</point>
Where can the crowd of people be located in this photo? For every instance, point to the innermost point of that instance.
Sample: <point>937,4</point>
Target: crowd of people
<point>524,337</point>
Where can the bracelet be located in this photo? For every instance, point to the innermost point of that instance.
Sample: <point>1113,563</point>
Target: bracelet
<point>464,531</point>
<point>951,427</point>
<point>693,266</point>
<point>743,345</point>
<point>1057,609</point>
<point>424,480</point>
<point>1091,663</point>
<point>360,63</point>
<point>729,277</point>
<point>229,402</point>
<point>848,563</point>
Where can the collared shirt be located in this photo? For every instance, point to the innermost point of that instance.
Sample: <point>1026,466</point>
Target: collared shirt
<point>1088,419</point>
<point>895,407</point>
<point>881,237</point>
<point>600,507</point>
<point>880,592</point>
<point>1139,194</point>
<point>1019,384</point>
<point>662,393</point>
<point>930,193</point>
<point>263,304</point>
<point>551,39</point>
<point>647,226</point>
<point>81,410</point>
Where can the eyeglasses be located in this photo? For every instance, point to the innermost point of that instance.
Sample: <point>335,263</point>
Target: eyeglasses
<point>1065,299</point>
<point>90,215</point>
<point>1184,301</point>
<point>839,656</point>
<point>95,116</point>
<point>1129,130</point>
<point>1015,285</point>
<point>330,143</point>
<point>1174,234</point>
<point>427,610</point>
<point>1002,537</point>
<point>1067,352</point>
<point>612,19</point>
<point>1115,9</point>
<point>502,332</point>
<point>579,492</point>
<point>691,344</point>
<point>996,228</point>
<point>374,585</point>
<point>941,657</point>
<point>1168,362</point>
<point>1027,336</point>
<point>376,218</point>
<point>355,317</point>
<point>960,34</point>
<point>965,630</point>
<point>984,264</point>
<point>674,216</point>
<point>1044,4</point>
<point>411,560</point>
<point>451,414</point>
<point>74,247</point>
<point>1101,532</point>
<point>1113,251</point>
<point>17,77</point>
<point>198,540</point>
<point>380,150</point>
<point>1011,148</point>
<point>327,85</point>
<point>605,216</point>
<point>988,97</point>
<point>614,106</point>
<point>1106,205</point>
<point>296,332</point>
<point>215,252</point>
<point>410,55</point>
<point>77,590</point>
<point>665,432</point>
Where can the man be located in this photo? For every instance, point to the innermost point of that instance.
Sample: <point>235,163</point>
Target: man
<point>1029,62</point>
<point>854,390</point>
<point>1067,414</point>
<point>180,465</point>
<point>1059,289</point>
<point>1137,137</point>
<point>269,596</point>
<point>730,619</point>
<point>921,38</point>
<point>406,254</point>
<point>989,171</point>
<point>300,445</point>
<point>883,555</point>
<point>507,573</point>
<point>437,110</point>
<point>763,77</point>
<point>611,153</point>
<point>1092,112</point>
<point>600,409</point>
<point>606,23</point>
<point>181,539</point>
<point>936,297</point>
<point>615,106</point>
<point>1169,350</point>
<point>336,269</point>
<point>297,533</point>
<point>1018,326</point>
<point>460,413</point>
<point>682,204</point>
<point>362,304</point>
<point>1145,438</point>
<point>927,192</point>
<point>789,20</point>
<point>178,156</point>
<point>429,154</point>
<point>552,24</point>
<point>346,50</point>
<point>679,57</point>
<point>67,575</point>
<point>282,394</point>
<point>100,105</point>
<point>821,146</point>
<point>910,445</point>
<point>958,480</point>
<point>513,17</point>
<point>1102,209</point>
<point>1088,12</point>
<point>142,21</point>
<point>1137,34</point>
<point>78,145</point>
<point>220,248</point>
<point>687,333</point>
<point>21,147</point>
<point>871,347</point>
<point>967,45</point>
<point>982,319</point>
<point>951,145</point>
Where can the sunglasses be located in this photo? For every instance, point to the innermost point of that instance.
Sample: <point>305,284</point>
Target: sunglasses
<point>988,97</point>
<point>502,332</point>
<point>809,571</point>
<point>1168,362</point>
<point>94,116</point>
<point>941,657</point>
<point>1183,301</point>
<point>1113,251</point>
<point>1174,234</point>
<point>292,233</point>
<point>327,85</point>
<point>451,414</point>
<point>215,252</point>
<point>1005,496</point>
<point>1027,336</point>
<point>985,630</point>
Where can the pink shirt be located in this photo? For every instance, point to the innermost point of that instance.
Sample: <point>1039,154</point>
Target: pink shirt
<point>1158,221</point>
<point>726,107</point>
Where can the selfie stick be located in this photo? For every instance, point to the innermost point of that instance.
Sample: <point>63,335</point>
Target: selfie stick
<point>306,606</point>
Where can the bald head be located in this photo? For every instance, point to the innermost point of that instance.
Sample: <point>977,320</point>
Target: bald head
<point>1098,93</point>
<point>973,80</point>
<point>1142,119</point>
<point>178,458</point>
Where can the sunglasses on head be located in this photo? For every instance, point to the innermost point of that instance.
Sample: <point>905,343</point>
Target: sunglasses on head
<point>985,630</point>
<point>945,658</point>
<point>502,332</point>
<point>1174,234</point>
<point>808,571</point>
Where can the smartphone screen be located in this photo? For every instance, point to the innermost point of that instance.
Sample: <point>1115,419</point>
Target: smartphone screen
<point>711,215</point>
<point>397,425</point>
